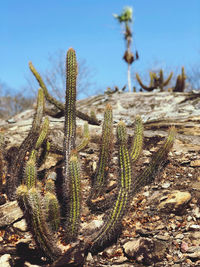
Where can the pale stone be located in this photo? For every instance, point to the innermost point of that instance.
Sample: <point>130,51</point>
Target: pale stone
<point>28,264</point>
<point>9,213</point>
<point>195,163</point>
<point>21,225</point>
<point>175,201</point>
<point>4,260</point>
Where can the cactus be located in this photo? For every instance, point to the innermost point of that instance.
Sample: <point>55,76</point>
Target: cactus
<point>155,81</point>
<point>113,224</point>
<point>35,216</point>
<point>86,138</point>
<point>180,82</point>
<point>45,210</point>
<point>73,219</point>
<point>55,102</point>
<point>136,147</point>
<point>52,205</point>
<point>16,169</point>
<point>149,172</point>
<point>100,177</point>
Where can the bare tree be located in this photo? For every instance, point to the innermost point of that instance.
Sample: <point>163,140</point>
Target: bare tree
<point>12,102</point>
<point>54,77</point>
<point>193,76</point>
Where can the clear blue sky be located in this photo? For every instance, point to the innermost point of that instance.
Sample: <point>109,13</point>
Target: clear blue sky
<point>164,31</point>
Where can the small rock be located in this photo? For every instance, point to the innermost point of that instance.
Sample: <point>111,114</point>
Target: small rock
<point>175,201</point>
<point>195,235</point>
<point>189,218</point>
<point>145,250</point>
<point>184,246</point>
<point>196,213</point>
<point>146,194</point>
<point>195,163</point>
<point>166,185</point>
<point>179,236</point>
<point>9,213</point>
<point>28,264</point>
<point>90,227</point>
<point>163,237</point>
<point>194,255</point>
<point>5,260</point>
<point>193,249</point>
<point>89,257</point>
<point>194,227</point>
<point>21,225</point>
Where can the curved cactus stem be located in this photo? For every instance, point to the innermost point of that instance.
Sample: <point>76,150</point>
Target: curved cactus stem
<point>136,146</point>
<point>43,133</point>
<point>147,88</point>
<point>27,145</point>
<point>165,83</point>
<point>149,172</point>
<point>57,103</point>
<point>49,98</point>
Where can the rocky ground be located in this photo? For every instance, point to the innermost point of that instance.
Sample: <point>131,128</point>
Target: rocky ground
<point>162,227</point>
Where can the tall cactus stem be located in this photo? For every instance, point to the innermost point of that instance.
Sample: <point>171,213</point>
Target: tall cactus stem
<point>137,143</point>
<point>112,225</point>
<point>43,133</point>
<point>73,219</point>
<point>100,177</point>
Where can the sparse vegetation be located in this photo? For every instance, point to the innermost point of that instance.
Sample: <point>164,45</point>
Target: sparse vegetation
<point>39,202</point>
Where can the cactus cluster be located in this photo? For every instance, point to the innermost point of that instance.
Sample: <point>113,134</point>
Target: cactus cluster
<point>48,215</point>
<point>158,82</point>
<point>155,81</point>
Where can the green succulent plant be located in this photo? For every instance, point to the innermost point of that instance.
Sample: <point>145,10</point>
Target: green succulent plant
<point>180,82</point>
<point>155,81</point>
<point>44,210</point>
